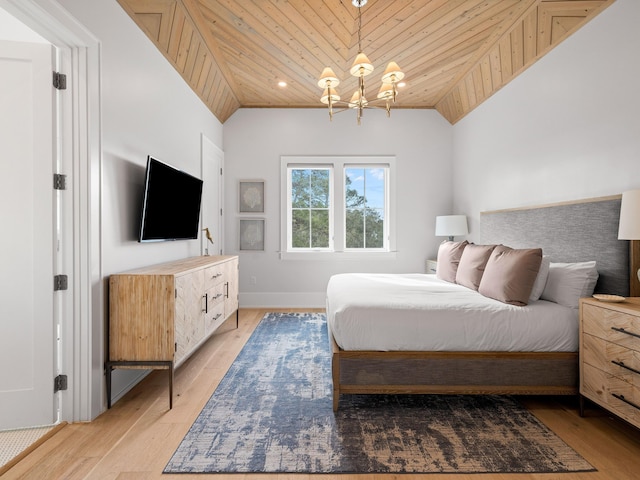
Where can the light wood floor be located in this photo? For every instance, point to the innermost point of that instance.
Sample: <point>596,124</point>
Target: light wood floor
<point>136,438</point>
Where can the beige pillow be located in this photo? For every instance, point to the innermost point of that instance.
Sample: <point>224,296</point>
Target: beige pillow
<point>449,254</point>
<point>472,263</point>
<point>510,274</point>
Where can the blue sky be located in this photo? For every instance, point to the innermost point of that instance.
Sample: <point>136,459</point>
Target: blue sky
<point>369,181</point>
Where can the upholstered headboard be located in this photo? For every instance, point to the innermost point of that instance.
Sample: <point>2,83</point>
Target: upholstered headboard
<point>568,232</point>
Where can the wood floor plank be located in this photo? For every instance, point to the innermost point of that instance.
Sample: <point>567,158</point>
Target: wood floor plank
<point>136,438</point>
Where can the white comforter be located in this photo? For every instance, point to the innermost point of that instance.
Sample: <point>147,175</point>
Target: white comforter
<point>420,312</point>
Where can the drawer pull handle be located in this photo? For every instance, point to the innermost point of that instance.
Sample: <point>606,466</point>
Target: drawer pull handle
<point>217,316</point>
<point>621,397</point>
<point>216,276</point>
<point>621,364</point>
<point>622,330</point>
<point>217,296</point>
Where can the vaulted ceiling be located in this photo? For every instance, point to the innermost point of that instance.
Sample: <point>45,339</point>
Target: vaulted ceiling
<point>455,53</point>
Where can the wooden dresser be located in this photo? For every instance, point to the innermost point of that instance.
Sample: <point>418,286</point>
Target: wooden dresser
<point>159,315</point>
<point>610,356</point>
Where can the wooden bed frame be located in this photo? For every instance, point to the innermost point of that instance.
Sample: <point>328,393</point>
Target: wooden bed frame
<point>561,230</point>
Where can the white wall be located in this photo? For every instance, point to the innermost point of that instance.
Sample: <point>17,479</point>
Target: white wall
<point>567,128</point>
<point>146,108</point>
<point>255,139</point>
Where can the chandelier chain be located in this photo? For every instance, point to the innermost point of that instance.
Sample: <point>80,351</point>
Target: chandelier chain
<point>359,30</point>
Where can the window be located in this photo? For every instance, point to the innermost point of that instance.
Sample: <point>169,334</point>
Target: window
<point>337,205</point>
<point>310,207</point>
<point>365,207</point>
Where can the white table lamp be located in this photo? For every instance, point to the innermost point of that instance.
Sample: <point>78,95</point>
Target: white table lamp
<point>451,225</point>
<point>629,228</point>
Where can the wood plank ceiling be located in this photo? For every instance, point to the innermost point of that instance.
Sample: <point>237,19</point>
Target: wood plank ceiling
<point>455,53</point>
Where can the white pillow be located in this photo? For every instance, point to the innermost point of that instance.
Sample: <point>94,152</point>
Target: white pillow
<point>541,280</point>
<point>568,282</point>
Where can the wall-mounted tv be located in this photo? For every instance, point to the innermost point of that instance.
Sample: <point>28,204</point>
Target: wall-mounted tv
<point>171,204</point>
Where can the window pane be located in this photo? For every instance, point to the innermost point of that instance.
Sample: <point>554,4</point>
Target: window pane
<point>319,188</point>
<point>374,221</point>
<point>374,179</point>
<point>354,229</point>
<point>300,190</point>
<point>300,229</point>
<point>354,187</point>
<point>319,228</point>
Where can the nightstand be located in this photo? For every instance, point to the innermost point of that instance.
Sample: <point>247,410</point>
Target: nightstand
<point>610,356</point>
<point>430,266</point>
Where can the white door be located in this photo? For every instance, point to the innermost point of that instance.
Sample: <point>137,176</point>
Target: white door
<point>27,353</point>
<point>212,159</point>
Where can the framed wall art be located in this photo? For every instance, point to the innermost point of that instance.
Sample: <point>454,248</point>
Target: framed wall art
<point>251,196</point>
<point>251,234</point>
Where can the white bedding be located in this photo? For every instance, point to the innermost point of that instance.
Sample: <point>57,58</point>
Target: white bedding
<point>387,312</point>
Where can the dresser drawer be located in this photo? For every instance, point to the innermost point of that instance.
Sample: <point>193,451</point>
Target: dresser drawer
<point>610,325</point>
<point>213,317</point>
<point>215,295</point>
<point>213,276</point>
<point>612,358</point>
<point>611,392</point>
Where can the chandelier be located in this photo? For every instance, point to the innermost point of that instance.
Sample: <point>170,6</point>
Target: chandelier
<point>361,68</point>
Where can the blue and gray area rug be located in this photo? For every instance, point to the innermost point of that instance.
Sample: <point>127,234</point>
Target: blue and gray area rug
<point>272,413</point>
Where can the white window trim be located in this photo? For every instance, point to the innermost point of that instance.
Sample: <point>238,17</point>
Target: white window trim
<point>339,251</point>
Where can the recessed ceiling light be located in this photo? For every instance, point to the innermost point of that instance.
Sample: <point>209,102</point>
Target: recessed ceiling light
<point>282,84</point>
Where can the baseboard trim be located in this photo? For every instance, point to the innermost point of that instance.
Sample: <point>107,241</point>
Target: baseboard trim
<point>283,300</point>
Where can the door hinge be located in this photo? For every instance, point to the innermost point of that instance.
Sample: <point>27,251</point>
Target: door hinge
<point>59,181</point>
<point>59,383</point>
<point>59,81</point>
<point>60,282</point>
<point>220,170</point>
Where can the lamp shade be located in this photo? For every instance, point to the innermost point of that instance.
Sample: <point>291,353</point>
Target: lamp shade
<point>328,79</point>
<point>329,92</point>
<point>451,225</point>
<point>629,227</point>
<point>356,102</point>
<point>392,74</point>
<point>361,66</point>
<point>386,91</point>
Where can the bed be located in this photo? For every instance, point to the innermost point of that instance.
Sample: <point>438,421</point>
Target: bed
<point>478,345</point>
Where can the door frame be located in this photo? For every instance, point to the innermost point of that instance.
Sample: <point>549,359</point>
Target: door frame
<point>81,351</point>
<point>207,147</point>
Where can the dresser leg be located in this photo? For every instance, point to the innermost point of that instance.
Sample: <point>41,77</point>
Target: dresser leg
<point>170,385</point>
<point>581,405</point>
<point>109,369</point>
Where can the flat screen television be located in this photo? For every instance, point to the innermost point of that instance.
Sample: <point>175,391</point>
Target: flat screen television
<point>171,204</point>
